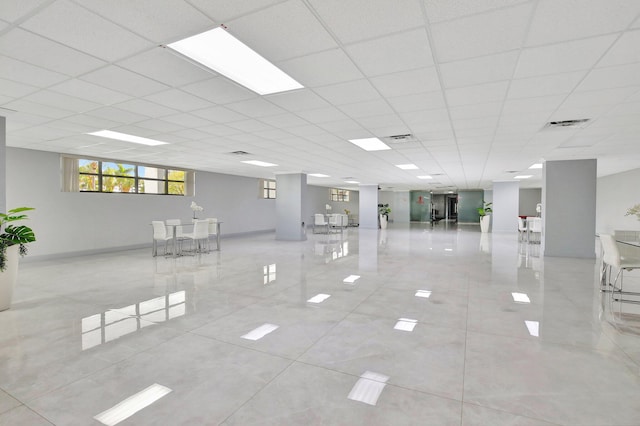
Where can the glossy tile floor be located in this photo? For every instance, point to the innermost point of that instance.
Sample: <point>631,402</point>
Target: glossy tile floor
<point>429,334</point>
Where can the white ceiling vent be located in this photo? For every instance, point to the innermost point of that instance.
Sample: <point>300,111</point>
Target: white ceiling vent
<point>567,124</point>
<point>239,153</point>
<point>398,139</point>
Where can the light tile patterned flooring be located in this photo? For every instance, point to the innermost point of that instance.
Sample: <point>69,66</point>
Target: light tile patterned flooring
<point>86,333</point>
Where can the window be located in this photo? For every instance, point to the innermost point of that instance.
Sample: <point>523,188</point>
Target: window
<point>339,194</point>
<point>267,188</point>
<point>92,175</point>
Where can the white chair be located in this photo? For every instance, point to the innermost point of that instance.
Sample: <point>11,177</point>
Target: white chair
<point>611,258</point>
<point>534,229</point>
<point>334,221</point>
<point>159,234</point>
<point>213,230</point>
<point>177,224</point>
<point>320,221</point>
<point>200,235</point>
<point>522,229</point>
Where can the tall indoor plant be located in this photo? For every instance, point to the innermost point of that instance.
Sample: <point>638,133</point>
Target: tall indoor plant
<point>13,240</point>
<point>485,216</point>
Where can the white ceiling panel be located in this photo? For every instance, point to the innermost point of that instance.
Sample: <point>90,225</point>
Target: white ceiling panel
<point>22,72</point>
<point>543,86</point>
<point>323,115</point>
<point>120,79</point>
<point>367,109</point>
<point>573,19</point>
<point>141,106</point>
<point>46,53</point>
<point>164,21</point>
<point>444,10</point>
<point>350,92</point>
<point>283,31</point>
<point>11,11</point>
<point>321,69</point>
<point>70,24</point>
<point>219,114</point>
<point>91,92</point>
<point>187,120</point>
<point>562,57</point>
<point>219,90</point>
<point>612,77</point>
<point>381,55</point>
<point>179,100</point>
<point>283,121</point>
<point>418,101</point>
<point>225,10</point>
<point>21,105</point>
<point>484,69</point>
<point>481,93</point>
<point>407,82</point>
<point>118,115</point>
<point>53,99</point>
<point>624,51</point>
<point>15,89</point>
<point>493,32</point>
<point>297,100</point>
<point>256,107</point>
<point>362,19</point>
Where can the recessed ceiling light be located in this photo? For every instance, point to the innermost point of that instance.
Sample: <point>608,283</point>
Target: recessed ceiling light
<point>424,177</point>
<point>127,138</point>
<point>318,175</point>
<point>351,181</point>
<point>536,166</point>
<point>259,163</point>
<point>522,177</point>
<point>223,53</point>
<point>370,144</point>
<point>407,166</point>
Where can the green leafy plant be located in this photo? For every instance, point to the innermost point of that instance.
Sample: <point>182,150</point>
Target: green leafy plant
<point>634,210</point>
<point>384,209</point>
<point>485,209</point>
<point>12,235</point>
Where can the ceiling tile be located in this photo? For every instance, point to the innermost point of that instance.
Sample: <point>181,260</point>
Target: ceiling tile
<point>11,11</point>
<point>150,109</point>
<point>178,99</point>
<point>562,57</point>
<point>54,100</point>
<point>275,35</point>
<point>120,79</point>
<point>572,19</point>
<point>361,19</point>
<point>219,90</point>
<point>222,11</point>
<point>283,121</point>
<point>117,115</point>
<point>90,91</point>
<point>542,86</point>
<point>444,10</point>
<point>480,93</point>
<point>350,92</point>
<point>483,34</point>
<point>382,55</point>
<point>323,115</point>
<point>161,65</point>
<point>76,27</point>
<point>320,69</point>
<point>187,120</point>
<point>624,51</point>
<point>484,69</point>
<point>164,21</point>
<point>418,101</point>
<point>367,109</point>
<point>46,53</point>
<point>15,89</point>
<point>219,114</point>
<point>297,100</point>
<point>38,109</point>
<point>407,82</point>
<point>611,77</point>
<point>22,72</point>
<point>256,107</point>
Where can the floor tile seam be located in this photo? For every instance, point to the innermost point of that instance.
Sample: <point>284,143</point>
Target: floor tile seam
<point>557,344</point>
<point>430,324</point>
<point>37,413</point>
<point>329,330</point>
<point>550,423</point>
<point>464,359</point>
<point>625,352</point>
<point>395,385</point>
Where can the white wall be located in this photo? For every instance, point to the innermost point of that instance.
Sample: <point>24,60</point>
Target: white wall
<point>72,222</point>
<point>401,207</point>
<point>504,217</point>
<point>529,199</point>
<point>615,194</point>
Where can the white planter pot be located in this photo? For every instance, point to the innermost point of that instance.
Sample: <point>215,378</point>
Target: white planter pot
<point>9,276</point>
<point>484,223</point>
<point>383,222</point>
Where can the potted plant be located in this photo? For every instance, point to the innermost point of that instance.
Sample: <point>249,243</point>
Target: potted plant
<point>13,240</point>
<point>383,214</point>
<point>485,216</point>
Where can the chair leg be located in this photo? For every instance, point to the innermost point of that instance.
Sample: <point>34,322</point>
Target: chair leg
<point>154,248</point>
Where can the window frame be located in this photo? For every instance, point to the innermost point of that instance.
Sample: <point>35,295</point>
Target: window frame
<point>339,195</point>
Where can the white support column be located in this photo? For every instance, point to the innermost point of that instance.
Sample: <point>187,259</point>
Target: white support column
<point>290,201</point>
<point>3,164</point>
<point>368,214</point>
<point>506,201</point>
<point>569,208</point>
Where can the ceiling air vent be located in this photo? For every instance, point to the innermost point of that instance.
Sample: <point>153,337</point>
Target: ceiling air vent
<point>398,139</point>
<point>239,153</point>
<point>566,124</point>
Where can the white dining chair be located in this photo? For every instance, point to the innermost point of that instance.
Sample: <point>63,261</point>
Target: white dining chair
<point>522,229</point>
<point>159,234</point>
<point>199,236</point>
<point>320,221</point>
<point>177,224</point>
<point>611,259</point>
<point>213,230</point>
<point>534,230</point>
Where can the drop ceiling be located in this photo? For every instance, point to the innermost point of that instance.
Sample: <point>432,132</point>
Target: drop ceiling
<point>472,82</point>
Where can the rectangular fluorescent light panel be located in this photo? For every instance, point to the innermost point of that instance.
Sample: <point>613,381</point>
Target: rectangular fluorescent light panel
<point>220,51</point>
<point>523,177</point>
<point>351,279</point>
<point>319,298</point>
<point>536,166</point>
<point>423,293</point>
<point>520,298</point>
<point>351,181</point>
<point>370,144</point>
<point>405,324</point>
<point>368,388</point>
<point>260,332</point>
<point>407,166</point>
<point>533,327</point>
<point>127,138</point>
<point>259,163</point>
<point>127,408</point>
<point>425,177</point>
<point>318,175</point>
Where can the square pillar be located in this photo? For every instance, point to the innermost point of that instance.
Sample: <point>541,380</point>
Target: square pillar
<point>506,202</point>
<point>368,208</point>
<point>290,201</point>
